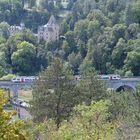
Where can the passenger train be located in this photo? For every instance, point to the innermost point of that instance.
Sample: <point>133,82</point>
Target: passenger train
<point>110,77</point>
<point>24,79</point>
<point>102,77</point>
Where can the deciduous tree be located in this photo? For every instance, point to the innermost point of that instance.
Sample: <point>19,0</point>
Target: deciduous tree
<point>23,60</point>
<point>9,130</point>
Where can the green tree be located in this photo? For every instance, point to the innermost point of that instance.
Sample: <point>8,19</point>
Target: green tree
<point>75,61</point>
<point>24,59</point>
<point>4,29</point>
<point>119,31</point>
<point>80,29</point>
<point>132,62</point>
<point>99,16</point>
<point>132,31</point>
<point>119,54</point>
<point>54,94</point>
<point>93,28</point>
<point>64,27</point>
<point>90,87</point>
<point>66,49</point>
<point>14,40</point>
<point>70,38</point>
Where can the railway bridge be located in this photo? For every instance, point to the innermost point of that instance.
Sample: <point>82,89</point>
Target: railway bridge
<point>127,84</point>
<point>15,87</point>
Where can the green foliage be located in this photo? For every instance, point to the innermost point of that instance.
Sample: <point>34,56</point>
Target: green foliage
<point>9,130</point>
<point>23,58</point>
<point>7,77</point>
<point>132,62</point>
<point>124,112</point>
<point>90,87</point>
<point>101,36</point>
<point>118,54</point>
<point>124,106</point>
<point>132,13</point>
<point>54,94</point>
<point>103,32</point>
<point>4,29</point>
<point>137,95</point>
<point>104,22</point>
<point>128,73</point>
<point>88,123</point>
<point>35,130</point>
<point>75,61</point>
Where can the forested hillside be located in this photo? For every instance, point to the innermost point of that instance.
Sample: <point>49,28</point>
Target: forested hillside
<point>69,101</point>
<point>104,32</point>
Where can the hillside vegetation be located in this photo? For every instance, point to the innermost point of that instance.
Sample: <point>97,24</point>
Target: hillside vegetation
<point>96,37</point>
<point>103,32</point>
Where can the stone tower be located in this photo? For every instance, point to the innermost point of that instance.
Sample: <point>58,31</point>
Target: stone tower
<point>50,31</point>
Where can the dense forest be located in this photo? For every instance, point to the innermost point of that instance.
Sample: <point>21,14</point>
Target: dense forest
<point>103,32</point>
<point>96,37</point>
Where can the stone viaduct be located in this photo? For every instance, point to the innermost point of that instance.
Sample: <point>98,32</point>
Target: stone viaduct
<point>15,87</point>
<point>127,84</point>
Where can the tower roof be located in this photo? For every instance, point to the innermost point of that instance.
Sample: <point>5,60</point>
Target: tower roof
<point>52,20</point>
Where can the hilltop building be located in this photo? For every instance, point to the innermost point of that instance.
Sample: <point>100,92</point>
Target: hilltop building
<point>15,29</point>
<point>50,31</point>
<point>65,3</point>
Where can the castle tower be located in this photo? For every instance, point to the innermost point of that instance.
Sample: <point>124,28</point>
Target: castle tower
<point>50,31</point>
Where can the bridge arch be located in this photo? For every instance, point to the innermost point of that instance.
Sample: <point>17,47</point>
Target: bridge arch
<point>127,88</point>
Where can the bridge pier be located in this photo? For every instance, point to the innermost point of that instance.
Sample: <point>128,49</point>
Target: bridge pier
<point>15,92</point>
